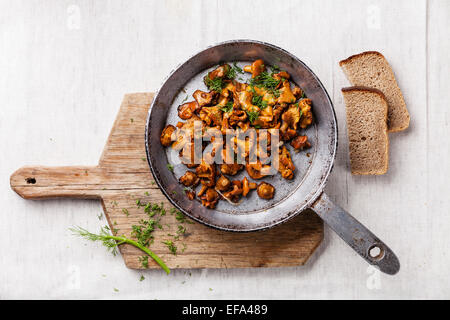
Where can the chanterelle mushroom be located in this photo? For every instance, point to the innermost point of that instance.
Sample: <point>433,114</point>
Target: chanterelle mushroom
<point>189,179</point>
<point>286,95</point>
<point>204,98</point>
<point>286,167</point>
<point>186,110</point>
<point>307,118</point>
<point>265,190</point>
<point>219,72</point>
<point>223,183</point>
<point>256,68</point>
<point>231,169</point>
<point>206,173</point>
<point>300,143</point>
<point>166,135</point>
<point>247,186</point>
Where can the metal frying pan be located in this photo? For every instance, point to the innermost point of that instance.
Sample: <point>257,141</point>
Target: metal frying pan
<point>291,197</point>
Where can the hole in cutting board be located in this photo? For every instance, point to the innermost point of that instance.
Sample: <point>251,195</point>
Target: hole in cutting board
<point>30,180</point>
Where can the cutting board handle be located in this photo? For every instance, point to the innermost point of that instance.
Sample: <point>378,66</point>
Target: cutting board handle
<point>58,182</point>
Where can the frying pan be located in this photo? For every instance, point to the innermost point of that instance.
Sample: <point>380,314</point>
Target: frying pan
<point>291,197</point>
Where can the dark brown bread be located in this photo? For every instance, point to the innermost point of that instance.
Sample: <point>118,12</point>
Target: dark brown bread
<point>371,69</point>
<point>367,111</point>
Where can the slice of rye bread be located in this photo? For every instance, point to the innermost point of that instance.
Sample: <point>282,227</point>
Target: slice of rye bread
<point>367,111</point>
<point>371,69</point>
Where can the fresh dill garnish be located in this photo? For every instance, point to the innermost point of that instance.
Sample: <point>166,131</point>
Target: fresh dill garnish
<point>257,100</point>
<point>237,68</point>
<point>146,192</point>
<point>100,216</point>
<point>170,167</point>
<point>181,230</point>
<point>233,71</point>
<point>116,290</point>
<point>143,159</point>
<point>252,115</point>
<point>142,278</point>
<point>181,217</point>
<point>144,261</point>
<point>215,84</point>
<point>143,231</point>
<point>111,242</point>
<point>185,98</point>
<point>267,81</point>
<point>174,192</point>
<point>275,68</point>
<point>125,211</point>
<point>171,246</point>
<point>228,107</point>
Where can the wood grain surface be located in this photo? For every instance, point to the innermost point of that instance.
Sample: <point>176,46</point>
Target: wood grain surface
<point>123,176</point>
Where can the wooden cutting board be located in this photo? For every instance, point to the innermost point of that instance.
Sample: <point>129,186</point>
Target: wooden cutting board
<point>122,176</point>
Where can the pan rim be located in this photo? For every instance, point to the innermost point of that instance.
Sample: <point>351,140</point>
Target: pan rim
<point>307,204</point>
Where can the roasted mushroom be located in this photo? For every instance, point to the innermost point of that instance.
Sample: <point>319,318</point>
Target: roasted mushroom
<point>256,68</point>
<point>211,115</point>
<point>297,92</point>
<point>307,118</point>
<point>219,72</point>
<point>166,135</point>
<point>247,186</point>
<point>290,119</point>
<point>189,179</point>
<point>204,98</point>
<point>235,193</point>
<point>286,95</point>
<point>210,198</point>
<point>190,194</point>
<point>231,169</point>
<point>186,110</point>
<point>286,167</point>
<point>300,143</point>
<point>265,190</point>
<point>223,183</point>
<point>282,75</point>
<point>207,174</point>
<point>254,170</point>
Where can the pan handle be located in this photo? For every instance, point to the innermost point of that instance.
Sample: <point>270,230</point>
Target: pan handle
<point>364,242</point>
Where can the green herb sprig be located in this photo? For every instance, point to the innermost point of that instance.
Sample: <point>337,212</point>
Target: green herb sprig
<point>228,107</point>
<point>252,116</point>
<point>216,84</point>
<point>111,242</point>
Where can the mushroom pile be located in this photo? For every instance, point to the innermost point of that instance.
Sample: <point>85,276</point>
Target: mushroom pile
<point>266,103</point>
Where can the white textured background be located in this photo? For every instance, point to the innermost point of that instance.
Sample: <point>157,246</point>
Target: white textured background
<point>65,65</point>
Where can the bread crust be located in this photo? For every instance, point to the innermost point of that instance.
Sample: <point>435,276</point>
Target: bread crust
<point>342,62</point>
<point>362,88</point>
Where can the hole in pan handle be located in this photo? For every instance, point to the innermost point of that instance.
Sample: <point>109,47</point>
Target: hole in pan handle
<point>357,236</point>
